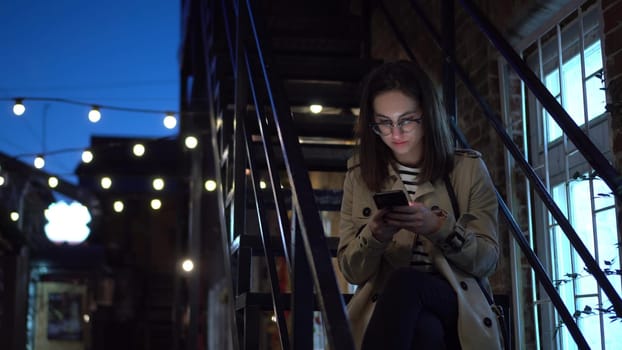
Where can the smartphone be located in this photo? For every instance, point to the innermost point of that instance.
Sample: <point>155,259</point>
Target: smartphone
<point>388,199</point>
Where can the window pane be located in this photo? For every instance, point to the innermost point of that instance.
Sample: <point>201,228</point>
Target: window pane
<point>596,99</point>
<point>589,321</point>
<point>572,89</point>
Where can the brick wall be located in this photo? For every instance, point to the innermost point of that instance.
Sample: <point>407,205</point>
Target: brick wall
<point>612,32</point>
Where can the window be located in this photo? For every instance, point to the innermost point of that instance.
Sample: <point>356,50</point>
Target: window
<point>567,56</point>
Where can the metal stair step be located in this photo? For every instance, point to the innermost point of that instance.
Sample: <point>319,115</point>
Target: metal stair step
<point>264,301</point>
<point>254,242</point>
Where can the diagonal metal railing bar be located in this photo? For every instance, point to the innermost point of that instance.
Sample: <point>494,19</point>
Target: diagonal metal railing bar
<point>537,184</point>
<point>217,170</point>
<point>275,179</point>
<point>329,296</point>
<point>264,230</point>
<point>587,148</point>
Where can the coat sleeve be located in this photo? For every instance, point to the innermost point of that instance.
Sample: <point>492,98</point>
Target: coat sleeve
<point>470,242</point>
<point>359,254</point>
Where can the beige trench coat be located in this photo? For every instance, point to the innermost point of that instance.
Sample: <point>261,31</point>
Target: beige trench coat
<point>367,262</point>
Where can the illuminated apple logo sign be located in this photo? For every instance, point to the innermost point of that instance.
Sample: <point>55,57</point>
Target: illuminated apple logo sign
<point>67,222</point>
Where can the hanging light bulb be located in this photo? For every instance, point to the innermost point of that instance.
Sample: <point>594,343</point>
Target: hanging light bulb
<point>87,156</point>
<point>170,121</point>
<point>39,162</point>
<point>18,107</point>
<point>138,150</point>
<point>191,142</point>
<point>106,182</point>
<point>158,184</point>
<point>52,181</point>
<point>118,206</point>
<point>2,180</point>
<point>94,114</point>
<point>156,204</point>
<point>210,185</point>
<point>14,216</point>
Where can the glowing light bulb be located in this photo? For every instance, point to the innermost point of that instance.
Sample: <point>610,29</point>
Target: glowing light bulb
<point>262,184</point>
<point>94,114</point>
<point>106,182</point>
<point>187,265</point>
<point>52,181</point>
<point>14,216</point>
<point>138,150</point>
<point>2,180</point>
<point>315,109</point>
<point>156,204</point>
<point>158,184</point>
<point>39,162</point>
<point>118,206</point>
<point>87,156</point>
<point>18,107</point>
<point>170,122</point>
<point>210,185</point>
<point>191,142</point>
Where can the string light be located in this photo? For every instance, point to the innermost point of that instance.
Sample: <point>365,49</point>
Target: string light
<point>118,206</point>
<point>158,184</point>
<point>87,156</point>
<point>14,216</point>
<point>191,142</point>
<point>94,114</point>
<point>18,107</point>
<point>2,180</point>
<point>106,182</point>
<point>39,162</point>
<point>138,150</point>
<point>170,122</point>
<point>156,204</point>
<point>210,185</point>
<point>187,265</point>
<point>52,181</point>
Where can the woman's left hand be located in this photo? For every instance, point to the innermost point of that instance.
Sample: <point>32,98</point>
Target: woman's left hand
<point>415,217</point>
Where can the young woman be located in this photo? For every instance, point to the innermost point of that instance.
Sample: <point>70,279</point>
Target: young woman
<point>416,265</point>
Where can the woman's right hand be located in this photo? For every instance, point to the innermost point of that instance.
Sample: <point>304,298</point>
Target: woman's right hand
<point>379,227</point>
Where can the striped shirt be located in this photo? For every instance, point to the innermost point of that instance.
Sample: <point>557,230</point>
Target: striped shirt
<point>420,257</point>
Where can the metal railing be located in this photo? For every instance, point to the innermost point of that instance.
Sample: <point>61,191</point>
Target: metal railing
<point>302,236</point>
<point>577,136</point>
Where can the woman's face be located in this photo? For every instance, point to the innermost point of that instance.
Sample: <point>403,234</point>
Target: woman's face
<point>398,119</point>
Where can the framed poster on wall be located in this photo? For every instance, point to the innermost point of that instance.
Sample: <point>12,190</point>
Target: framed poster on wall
<point>64,316</point>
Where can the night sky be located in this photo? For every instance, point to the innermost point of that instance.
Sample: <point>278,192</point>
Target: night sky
<point>117,53</point>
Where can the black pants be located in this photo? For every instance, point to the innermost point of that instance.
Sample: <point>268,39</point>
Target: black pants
<point>417,310</point>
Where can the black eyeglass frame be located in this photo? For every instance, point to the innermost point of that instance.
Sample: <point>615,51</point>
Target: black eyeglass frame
<point>400,125</point>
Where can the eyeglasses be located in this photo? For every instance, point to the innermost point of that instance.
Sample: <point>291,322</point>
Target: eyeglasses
<point>386,128</point>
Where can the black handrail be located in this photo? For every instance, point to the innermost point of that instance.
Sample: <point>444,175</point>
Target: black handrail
<point>311,229</point>
<point>331,301</point>
<point>540,188</point>
<point>602,166</point>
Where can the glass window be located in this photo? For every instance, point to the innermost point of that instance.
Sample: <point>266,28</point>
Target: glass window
<point>568,58</point>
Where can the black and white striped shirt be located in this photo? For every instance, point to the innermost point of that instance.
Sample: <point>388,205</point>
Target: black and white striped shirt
<point>420,257</point>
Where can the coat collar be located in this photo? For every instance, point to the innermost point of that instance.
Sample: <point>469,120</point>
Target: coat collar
<point>394,182</point>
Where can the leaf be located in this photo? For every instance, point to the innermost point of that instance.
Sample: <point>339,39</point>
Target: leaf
<point>587,310</point>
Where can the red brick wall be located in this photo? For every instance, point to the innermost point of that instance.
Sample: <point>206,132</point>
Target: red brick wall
<point>612,31</point>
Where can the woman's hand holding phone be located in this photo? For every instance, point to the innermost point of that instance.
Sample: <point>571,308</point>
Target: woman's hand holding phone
<point>415,217</point>
<point>380,228</point>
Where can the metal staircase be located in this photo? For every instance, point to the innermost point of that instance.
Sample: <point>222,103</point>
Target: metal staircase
<point>249,73</point>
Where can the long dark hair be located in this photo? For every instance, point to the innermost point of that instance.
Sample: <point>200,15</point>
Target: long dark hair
<point>374,155</point>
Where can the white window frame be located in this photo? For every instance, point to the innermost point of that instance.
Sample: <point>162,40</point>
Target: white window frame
<point>556,165</point>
